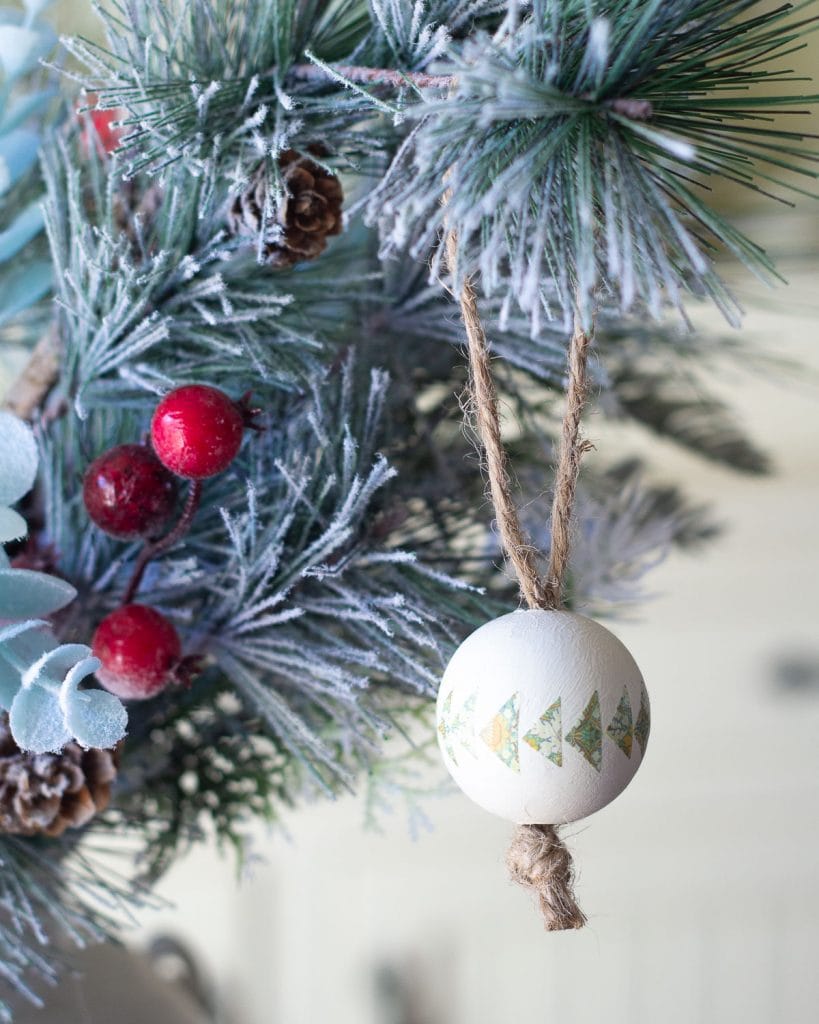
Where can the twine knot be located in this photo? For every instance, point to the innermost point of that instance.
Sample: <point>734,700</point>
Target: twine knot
<point>538,859</point>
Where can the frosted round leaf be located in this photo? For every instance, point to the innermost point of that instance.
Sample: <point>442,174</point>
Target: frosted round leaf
<point>12,526</point>
<point>27,594</point>
<point>543,717</point>
<point>18,458</point>
<point>93,717</point>
<point>36,721</point>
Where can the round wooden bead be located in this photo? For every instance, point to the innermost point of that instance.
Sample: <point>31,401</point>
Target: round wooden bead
<point>543,717</point>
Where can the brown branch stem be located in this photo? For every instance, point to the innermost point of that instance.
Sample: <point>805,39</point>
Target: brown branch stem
<point>373,76</point>
<point>154,548</point>
<point>28,392</point>
<point>626,106</point>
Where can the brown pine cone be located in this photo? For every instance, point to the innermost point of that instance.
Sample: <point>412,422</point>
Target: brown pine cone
<point>129,205</point>
<point>311,213</point>
<point>44,794</point>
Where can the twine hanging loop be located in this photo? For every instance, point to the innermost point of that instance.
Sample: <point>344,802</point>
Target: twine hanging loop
<point>538,857</point>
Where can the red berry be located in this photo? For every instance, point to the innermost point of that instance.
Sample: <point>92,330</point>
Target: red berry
<point>139,650</point>
<point>98,128</point>
<point>109,136</point>
<point>128,492</point>
<point>197,431</point>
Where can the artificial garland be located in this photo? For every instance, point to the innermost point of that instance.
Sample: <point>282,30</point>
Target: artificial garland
<point>218,536</point>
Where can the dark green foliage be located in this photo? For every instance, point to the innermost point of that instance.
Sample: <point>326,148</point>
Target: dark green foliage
<point>574,145</point>
<point>198,765</point>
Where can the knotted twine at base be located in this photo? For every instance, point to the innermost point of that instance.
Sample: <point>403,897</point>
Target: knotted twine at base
<point>538,858</point>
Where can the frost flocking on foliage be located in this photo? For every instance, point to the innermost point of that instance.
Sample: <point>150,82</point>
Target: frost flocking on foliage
<point>573,144</point>
<point>215,227</point>
<point>39,678</point>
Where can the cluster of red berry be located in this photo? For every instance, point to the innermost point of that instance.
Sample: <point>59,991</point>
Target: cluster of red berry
<point>130,492</point>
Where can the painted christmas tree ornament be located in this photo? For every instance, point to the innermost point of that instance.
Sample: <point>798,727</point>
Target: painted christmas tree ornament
<point>543,717</point>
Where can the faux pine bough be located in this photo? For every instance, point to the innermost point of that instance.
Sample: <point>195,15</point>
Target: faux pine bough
<point>253,505</point>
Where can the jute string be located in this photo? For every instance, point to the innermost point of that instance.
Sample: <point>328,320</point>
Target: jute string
<point>538,857</point>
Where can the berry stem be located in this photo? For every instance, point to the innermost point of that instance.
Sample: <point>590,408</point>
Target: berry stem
<point>151,550</point>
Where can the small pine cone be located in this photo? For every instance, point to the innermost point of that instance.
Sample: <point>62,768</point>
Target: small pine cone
<point>309,215</point>
<point>131,205</point>
<point>44,794</point>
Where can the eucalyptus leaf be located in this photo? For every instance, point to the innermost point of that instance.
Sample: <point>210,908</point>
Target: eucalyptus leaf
<point>30,104</point>
<point>31,643</point>
<point>22,229</point>
<point>9,683</point>
<point>18,49</point>
<point>25,593</point>
<point>12,525</point>
<point>34,8</point>
<point>18,458</point>
<point>95,718</point>
<point>21,48</point>
<point>12,16</point>
<point>16,629</point>
<point>36,721</point>
<point>47,707</point>
<point>18,154</point>
<point>51,666</point>
<point>24,286</point>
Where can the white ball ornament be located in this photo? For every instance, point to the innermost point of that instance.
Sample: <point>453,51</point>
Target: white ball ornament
<point>543,717</point>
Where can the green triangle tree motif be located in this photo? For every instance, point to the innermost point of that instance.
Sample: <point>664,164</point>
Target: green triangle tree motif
<point>643,725</point>
<point>464,726</point>
<point>445,728</point>
<point>546,735</point>
<point>621,727</point>
<point>457,727</point>
<point>587,735</point>
<point>500,733</point>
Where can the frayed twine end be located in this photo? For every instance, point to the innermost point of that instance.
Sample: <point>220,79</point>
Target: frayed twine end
<point>539,860</point>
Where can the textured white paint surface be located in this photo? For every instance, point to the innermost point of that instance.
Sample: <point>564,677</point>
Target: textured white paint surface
<point>538,657</point>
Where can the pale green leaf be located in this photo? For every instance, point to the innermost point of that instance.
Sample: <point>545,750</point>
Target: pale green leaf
<point>36,721</point>
<point>12,525</point>
<point>18,459</point>
<point>25,594</point>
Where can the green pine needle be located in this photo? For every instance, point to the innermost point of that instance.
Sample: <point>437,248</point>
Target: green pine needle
<point>576,150</point>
